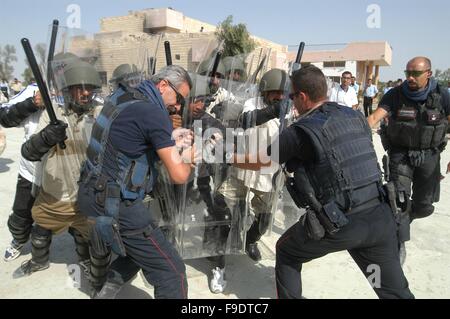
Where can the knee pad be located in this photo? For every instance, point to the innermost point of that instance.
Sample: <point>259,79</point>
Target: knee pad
<point>81,244</point>
<point>264,222</point>
<point>221,211</point>
<point>99,267</point>
<point>41,239</point>
<point>20,228</point>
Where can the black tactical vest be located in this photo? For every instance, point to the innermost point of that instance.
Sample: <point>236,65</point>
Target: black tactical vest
<point>417,126</point>
<point>345,169</point>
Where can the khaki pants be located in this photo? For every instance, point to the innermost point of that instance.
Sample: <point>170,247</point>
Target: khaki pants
<point>233,189</point>
<point>59,216</point>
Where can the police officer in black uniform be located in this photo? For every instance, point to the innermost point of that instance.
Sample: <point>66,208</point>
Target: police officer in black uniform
<point>131,134</point>
<point>418,112</point>
<point>337,178</point>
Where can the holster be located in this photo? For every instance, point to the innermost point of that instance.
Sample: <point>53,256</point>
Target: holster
<point>401,206</point>
<point>106,232</point>
<point>314,228</point>
<point>105,235</point>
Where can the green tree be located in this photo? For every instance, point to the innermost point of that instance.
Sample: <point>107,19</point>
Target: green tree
<point>40,53</point>
<point>236,38</point>
<point>7,57</point>
<point>443,77</point>
<point>27,74</point>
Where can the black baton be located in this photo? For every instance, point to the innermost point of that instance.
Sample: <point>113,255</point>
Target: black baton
<point>216,64</point>
<point>41,84</point>
<point>301,48</point>
<point>51,52</point>
<point>168,53</point>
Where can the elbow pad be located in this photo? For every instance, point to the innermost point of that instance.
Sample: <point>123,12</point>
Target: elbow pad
<point>35,148</point>
<point>17,113</point>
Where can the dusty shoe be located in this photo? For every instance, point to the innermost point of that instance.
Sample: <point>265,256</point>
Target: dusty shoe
<point>253,252</point>
<point>13,251</point>
<point>217,283</point>
<point>110,290</point>
<point>85,265</point>
<point>29,267</point>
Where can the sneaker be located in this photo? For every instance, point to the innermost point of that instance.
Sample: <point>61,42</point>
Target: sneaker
<point>28,267</point>
<point>13,251</point>
<point>253,252</point>
<point>86,267</point>
<point>217,283</point>
<point>110,290</point>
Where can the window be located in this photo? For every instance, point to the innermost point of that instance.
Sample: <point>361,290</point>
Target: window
<point>336,79</point>
<point>177,57</point>
<point>334,64</point>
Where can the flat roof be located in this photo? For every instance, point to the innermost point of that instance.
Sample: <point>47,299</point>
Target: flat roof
<point>378,52</point>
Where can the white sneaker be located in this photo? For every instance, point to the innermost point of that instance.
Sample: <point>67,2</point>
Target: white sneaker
<point>13,251</point>
<point>217,283</point>
<point>85,265</point>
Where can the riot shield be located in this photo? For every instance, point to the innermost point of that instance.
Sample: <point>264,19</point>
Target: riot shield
<point>182,225</point>
<point>82,67</point>
<point>215,216</point>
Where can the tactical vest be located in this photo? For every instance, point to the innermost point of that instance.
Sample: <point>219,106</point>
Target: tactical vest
<point>134,176</point>
<point>345,167</point>
<point>417,126</point>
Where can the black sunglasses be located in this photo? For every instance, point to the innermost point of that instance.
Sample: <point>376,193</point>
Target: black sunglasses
<point>415,74</point>
<point>180,98</point>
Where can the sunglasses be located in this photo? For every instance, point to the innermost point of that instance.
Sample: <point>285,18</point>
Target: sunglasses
<point>415,74</point>
<point>180,98</point>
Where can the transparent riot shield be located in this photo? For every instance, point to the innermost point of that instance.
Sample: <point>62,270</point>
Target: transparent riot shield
<point>171,204</point>
<point>285,213</point>
<point>82,66</point>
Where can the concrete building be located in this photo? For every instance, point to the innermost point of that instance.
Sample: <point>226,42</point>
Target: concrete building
<point>363,59</point>
<point>120,39</point>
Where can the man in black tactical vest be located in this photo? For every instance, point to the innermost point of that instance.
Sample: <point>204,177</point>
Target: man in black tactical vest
<point>418,114</point>
<point>337,179</point>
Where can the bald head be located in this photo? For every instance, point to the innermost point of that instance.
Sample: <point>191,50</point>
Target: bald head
<point>418,73</point>
<point>419,63</point>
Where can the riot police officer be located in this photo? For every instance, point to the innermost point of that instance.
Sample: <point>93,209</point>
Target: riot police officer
<point>330,151</point>
<point>125,74</point>
<point>418,113</point>
<point>55,208</point>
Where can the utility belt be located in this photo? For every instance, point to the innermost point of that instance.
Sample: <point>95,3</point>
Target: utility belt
<point>329,218</point>
<point>105,232</point>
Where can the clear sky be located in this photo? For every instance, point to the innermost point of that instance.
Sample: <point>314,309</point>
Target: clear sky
<point>412,28</point>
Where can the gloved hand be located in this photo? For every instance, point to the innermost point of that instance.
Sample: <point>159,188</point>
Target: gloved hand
<point>52,134</point>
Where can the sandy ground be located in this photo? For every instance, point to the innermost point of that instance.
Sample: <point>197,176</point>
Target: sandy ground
<point>335,276</point>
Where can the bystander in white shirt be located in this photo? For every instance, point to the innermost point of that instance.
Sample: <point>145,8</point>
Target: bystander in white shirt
<point>344,97</point>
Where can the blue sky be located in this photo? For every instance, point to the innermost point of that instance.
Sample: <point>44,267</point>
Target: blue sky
<point>411,27</point>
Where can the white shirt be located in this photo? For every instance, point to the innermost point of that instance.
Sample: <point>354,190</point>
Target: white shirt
<point>341,97</point>
<point>27,168</point>
<point>258,139</point>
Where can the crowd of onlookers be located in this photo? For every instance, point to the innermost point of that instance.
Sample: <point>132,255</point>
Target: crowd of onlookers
<point>8,90</point>
<point>351,94</point>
